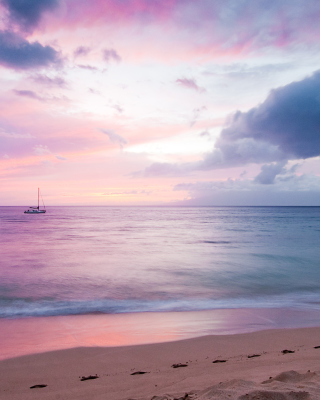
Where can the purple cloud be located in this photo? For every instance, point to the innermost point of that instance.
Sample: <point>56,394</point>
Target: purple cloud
<point>81,51</point>
<point>189,84</point>
<point>286,126</point>
<point>164,169</point>
<point>288,120</point>
<point>111,54</point>
<point>292,190</point>
<point>204,133</point>
<point>46,80</point>
<point>33,95</point>
<point>269,172</point>
<point>27,93</point>
<point>114,137</point>
<point>117,108</point>
<point>18,53</point>
<point>27,13</point>
<point>89,67</point>
<point>211,27</point>
<point>61,158</point>
<point>41,150</point>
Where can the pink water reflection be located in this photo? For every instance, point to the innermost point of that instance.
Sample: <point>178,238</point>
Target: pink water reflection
<point>35,335</point>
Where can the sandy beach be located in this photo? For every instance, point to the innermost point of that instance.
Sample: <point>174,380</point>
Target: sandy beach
<point>270,364</point>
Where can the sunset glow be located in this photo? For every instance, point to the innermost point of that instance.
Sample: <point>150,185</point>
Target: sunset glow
<point>145,102</point>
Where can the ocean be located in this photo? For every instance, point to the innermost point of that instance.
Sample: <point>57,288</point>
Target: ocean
<point>114,260</point>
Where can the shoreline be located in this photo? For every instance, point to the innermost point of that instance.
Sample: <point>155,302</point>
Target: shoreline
<point>41,334</point>
<point>249,364</point>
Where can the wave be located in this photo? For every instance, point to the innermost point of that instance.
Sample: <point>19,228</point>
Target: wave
<point>20,308</point>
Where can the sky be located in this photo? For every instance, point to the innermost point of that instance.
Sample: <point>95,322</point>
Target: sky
<point>160,102</point>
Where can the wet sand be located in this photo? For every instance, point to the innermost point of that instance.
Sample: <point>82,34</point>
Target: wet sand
<point>36,335</point>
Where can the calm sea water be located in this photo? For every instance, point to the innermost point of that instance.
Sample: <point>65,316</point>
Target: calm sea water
<point>80,260</point>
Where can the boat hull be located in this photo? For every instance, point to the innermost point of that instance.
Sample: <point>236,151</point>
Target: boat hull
<point>35,212</point>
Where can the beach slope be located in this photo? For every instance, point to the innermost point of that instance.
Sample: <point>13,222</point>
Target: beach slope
<point>273,364</point>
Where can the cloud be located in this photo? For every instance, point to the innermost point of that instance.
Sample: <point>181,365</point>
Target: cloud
<point>246,152</point>
<point>287,121</point>
<point>114,137</point>
<point>14,135</point>
<point>117,108</point>
<point>189,84</point>
<point>33,95</point>
<point>61,157</point>
<point>27,93</point>
<point>211,28</point>
<point>204,133</point>
<point>41,150</point>
<point>286,126</point>
<point>210,186</point>
<point>161,169</point>
<point>127,192</point>
<point>276,172</point>
<point>94,91</point>
<point>115,11</point>
<point>196,114</point>
<point>81,51</point>
<point>288,189</point>
<point>269,172</point>
<point>46,80</point>
<point>240,152</point>
<point>89,67</point>
<point>18,53</point>
<point>244,70</point>
<point>111,54</point>
<point>120,193</point>
<point>27,13</point>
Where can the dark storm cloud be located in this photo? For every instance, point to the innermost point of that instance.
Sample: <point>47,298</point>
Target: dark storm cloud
<point>286,126</point>
<point>18,53</point>
<point>27,13</point>
<point>289,119</point>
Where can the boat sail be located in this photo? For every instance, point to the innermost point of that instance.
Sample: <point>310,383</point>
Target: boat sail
<point>36,210</point>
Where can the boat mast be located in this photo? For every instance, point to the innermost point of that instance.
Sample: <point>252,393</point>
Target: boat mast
<point>38,198</point>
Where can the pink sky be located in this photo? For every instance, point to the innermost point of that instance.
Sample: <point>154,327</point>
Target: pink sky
<point>133,102</point>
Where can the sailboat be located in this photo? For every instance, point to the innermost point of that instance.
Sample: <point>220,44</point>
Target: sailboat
<point>36,210</point>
